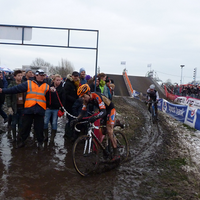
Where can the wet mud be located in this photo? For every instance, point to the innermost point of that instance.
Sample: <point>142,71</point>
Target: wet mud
<point>29,173</point>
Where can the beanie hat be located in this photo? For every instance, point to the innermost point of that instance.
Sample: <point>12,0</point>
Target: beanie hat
<point>81,69</point>
<point>88,77</point>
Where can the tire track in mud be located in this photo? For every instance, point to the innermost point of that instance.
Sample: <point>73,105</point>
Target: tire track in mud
<point>144,149</point>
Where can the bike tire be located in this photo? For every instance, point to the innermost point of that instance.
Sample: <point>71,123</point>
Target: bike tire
<point>122,145</point>
<point>85,163</point>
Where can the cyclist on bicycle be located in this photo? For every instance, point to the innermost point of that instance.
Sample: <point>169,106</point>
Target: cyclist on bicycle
<point>106,111</point>
<point>152,95</point>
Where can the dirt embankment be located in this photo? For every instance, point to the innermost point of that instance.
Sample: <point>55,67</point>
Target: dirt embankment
<point>166,164</point>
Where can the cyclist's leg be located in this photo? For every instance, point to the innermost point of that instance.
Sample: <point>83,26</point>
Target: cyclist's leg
<point>110,125</point>
<point>149,106</point>
<point>156,108</point>
<point>109,128</point>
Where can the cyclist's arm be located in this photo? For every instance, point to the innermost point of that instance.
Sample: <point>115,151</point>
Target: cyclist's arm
<point>157,96</point>
<point>101,114</point>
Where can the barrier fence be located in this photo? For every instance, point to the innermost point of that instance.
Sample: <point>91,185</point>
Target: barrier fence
<point>186,114</point>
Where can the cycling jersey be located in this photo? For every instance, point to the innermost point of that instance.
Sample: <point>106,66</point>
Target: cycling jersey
<point>105,106</point>
<point>152,95</point>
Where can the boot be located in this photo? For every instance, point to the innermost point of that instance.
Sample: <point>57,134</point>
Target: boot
<point>9,131</point>
<point>53,134</point>
<point>116,157</point>
<point>40,146</point>
<point>14,134</point>
<point>46,135</point>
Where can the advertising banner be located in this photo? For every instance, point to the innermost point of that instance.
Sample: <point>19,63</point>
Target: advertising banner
<point>191,116</point>
<point>176,111</point>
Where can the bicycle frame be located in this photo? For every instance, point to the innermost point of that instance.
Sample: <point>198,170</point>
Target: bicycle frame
<point>91,135</point>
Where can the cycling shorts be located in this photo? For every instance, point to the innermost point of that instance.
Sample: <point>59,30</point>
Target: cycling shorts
<point>111,117</point>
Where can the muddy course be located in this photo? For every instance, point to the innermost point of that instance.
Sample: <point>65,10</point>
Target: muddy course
<point>159,165</point>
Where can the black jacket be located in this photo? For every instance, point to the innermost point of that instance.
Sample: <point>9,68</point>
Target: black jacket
<point>92,87</point>
<point>52,98</point>
<point>70,94</point>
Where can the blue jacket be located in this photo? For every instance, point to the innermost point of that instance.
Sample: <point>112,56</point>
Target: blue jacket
<point>83,81</point>
<point>23,87</point>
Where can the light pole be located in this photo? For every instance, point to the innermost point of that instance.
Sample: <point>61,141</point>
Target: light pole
<point>181,73</point>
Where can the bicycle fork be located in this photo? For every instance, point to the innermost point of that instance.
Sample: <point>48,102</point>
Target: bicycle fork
<point>88,144</point>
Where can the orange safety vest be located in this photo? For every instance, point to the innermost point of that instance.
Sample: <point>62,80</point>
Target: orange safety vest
<point>36,94</point>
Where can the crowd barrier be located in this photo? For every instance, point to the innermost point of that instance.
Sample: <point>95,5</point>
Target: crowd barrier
<point>186,114</point>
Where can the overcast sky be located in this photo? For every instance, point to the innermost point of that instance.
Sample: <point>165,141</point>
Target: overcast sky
<point>165,34</point>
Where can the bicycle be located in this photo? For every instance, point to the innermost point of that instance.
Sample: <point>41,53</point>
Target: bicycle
<point>88,150</point>
<point>153,111</point>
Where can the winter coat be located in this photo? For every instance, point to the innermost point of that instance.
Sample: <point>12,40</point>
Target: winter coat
<point>11,99</point>
<point>70,93</point>
<point>92,86</point>
<point>54,102</point>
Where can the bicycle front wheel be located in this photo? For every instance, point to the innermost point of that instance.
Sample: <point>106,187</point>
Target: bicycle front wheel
<point>122,145</point>
<point>85,155</point>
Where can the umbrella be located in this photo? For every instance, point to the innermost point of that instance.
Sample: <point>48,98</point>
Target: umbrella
<point>5,69</point>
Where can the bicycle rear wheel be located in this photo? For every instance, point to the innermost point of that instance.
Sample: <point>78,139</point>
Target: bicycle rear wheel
<point>122,145</point>
<point>85,155</point>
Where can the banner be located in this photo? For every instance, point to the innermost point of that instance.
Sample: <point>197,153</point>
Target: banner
<point>187,101</point>
<point>178,112</point>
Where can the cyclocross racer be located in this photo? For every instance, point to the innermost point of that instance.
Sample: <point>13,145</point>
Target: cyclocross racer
<point>152,94</point>
<point>106,111</point>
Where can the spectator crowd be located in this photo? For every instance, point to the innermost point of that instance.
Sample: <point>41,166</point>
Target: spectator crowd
<point>185,90</point>
<point>33,100</point>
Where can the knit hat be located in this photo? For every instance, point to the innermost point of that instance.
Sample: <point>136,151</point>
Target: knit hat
<point>88,77</point>
<point>81,69</point>
<point>28,70</point>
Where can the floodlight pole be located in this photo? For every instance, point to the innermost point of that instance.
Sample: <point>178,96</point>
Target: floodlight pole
<point>181,73</point>
<point>96,60</point>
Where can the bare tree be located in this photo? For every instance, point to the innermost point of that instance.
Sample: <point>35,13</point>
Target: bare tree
<point>64,68</point>
<point>40,62</point>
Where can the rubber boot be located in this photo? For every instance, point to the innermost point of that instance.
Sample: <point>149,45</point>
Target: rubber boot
<point>46,135</point>
<point>53,134</point>
<point>14,134</point>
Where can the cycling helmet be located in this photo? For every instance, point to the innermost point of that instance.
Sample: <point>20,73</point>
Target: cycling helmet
<point>152,86</point>
<point>83,89</point>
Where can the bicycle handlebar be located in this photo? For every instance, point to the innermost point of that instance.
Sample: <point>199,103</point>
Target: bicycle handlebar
<point>85,122</point>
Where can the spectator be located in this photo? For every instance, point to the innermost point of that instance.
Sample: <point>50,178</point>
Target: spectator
<point>15,104</point>
<point>28,75</point>
<point>88,77</point>
<point>9,77</point>
<point>108,90</point>
<point>53,105</point>
<point>102,85</point>
<point>92,85</point>
<point>82,76</point>
<point>2,99</point>
<point>48,80</point>
<point>34,107</point>
<point>70,96</point>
